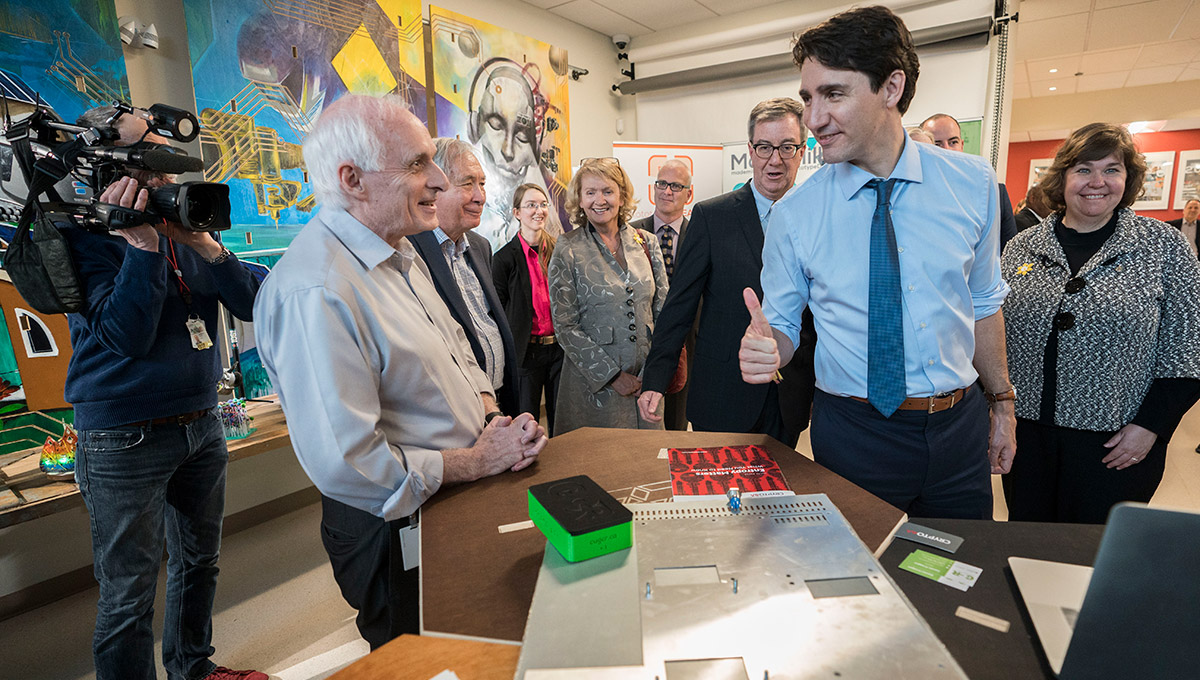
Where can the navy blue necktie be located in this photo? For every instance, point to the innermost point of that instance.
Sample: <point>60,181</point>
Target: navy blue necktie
<point>886,388</point>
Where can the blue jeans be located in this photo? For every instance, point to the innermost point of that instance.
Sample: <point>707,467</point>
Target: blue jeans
<point>142,483</point>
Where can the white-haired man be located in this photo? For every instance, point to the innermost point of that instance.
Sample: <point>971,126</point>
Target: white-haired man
<point>384,398</point>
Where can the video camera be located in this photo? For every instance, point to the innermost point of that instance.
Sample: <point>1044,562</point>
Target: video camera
<point>72,165</point>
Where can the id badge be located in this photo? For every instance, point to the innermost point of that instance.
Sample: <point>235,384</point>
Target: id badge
<point>198,333</point>
<point>410,546</point>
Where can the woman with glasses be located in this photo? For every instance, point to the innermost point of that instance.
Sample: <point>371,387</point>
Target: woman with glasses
<point>607,286</point>
<point>1103,330</point>
<point>519,272</point>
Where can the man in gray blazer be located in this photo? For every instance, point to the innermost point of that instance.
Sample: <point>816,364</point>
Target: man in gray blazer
<point>460,262</point>
<point>672,193</point>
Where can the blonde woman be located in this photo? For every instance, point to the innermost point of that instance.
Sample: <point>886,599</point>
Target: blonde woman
<point>607,286</point>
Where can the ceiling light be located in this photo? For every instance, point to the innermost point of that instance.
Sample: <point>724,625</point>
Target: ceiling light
<point>1140,126</point>
<point>1054,70</point>
<point>1053,89</point>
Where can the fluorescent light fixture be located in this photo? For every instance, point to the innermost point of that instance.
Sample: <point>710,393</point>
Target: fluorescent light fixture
<point>1139,126</point>
<point>1053,89</point>
<point>1054,70</point>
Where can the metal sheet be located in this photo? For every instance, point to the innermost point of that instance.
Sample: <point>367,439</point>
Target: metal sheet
<point>759,609</point>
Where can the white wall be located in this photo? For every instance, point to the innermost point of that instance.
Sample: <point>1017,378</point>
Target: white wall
<point>950,82</point>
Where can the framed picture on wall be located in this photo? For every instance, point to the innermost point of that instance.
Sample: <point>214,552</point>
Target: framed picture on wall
<point>1187,186</point>
<point>1159,165</point>
<point>1037,167</point>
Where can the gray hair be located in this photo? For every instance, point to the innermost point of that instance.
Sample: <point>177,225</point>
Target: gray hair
<point>676,163</point>
<point>449,154</point>
<point>101,118</point>
<point>353,130</point>
<point>774,109</point>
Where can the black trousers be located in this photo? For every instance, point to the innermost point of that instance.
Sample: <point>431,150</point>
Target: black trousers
<point>1057,475</point>
<point>926,464</point>
<point>364,551</point>
<point>539,373</point>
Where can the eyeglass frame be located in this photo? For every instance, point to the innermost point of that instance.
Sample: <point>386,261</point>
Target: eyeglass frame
<point>663,184</point>
<point>545,205</point>
<point>754,147</point>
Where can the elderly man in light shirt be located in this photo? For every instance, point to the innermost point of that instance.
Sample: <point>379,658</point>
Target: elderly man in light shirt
<point>384,399</point>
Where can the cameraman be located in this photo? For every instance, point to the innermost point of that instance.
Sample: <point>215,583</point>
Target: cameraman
<point>151,456</point>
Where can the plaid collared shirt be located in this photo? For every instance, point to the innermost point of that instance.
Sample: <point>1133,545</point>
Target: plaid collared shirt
<point>485,326</point>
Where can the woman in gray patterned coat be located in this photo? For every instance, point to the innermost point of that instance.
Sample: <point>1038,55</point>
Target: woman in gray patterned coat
<point>607,286</point>
<point>1103,329</point>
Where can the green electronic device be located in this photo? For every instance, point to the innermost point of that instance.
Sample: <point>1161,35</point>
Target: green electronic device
<point>580,519</point>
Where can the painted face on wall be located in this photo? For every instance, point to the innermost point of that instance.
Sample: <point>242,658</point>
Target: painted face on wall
<point>505,125</point>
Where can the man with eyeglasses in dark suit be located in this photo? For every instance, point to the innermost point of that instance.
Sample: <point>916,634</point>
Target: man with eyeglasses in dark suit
<point>721,256</point>
<point>672,193</point>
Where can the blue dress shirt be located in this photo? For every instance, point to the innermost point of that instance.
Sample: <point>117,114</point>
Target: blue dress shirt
<point>945,213</point>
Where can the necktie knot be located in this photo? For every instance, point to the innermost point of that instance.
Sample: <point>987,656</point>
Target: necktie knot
<point>883,191</point>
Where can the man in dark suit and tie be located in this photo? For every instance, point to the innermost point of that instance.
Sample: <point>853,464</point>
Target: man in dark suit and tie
<point>672,193</point>
<point>722,255</point>
<point>1187,224</point>
<point>460,263</point>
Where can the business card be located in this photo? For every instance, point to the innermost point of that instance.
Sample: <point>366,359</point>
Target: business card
<point>944,570</point>
<point>911,531</point>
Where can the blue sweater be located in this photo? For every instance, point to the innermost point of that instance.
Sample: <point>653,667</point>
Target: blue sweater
<point>132,357</point>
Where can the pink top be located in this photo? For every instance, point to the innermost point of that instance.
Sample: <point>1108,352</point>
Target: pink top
<point>542,324</point>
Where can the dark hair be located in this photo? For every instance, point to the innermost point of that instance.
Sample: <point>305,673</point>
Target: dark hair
<point>870,40</point>
<point>1091,143</point>
<point>1035,200</point>
<point>545,242</point>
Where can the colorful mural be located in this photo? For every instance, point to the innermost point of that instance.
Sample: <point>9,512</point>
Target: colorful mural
<point>264,71</point>
<point>506,94</point>
<point>68,54</point>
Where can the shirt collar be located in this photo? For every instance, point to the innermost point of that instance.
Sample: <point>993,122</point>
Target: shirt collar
<point>761,202</point>
<point>443,239</point>
<point>850,178</point>
<point>364,244</point>
<point>659,225</point>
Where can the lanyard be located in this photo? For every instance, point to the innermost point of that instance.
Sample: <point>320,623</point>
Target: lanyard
<point>184,291</point>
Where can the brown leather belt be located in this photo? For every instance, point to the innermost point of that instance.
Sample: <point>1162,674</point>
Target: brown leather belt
<point>181,419</point>
<point>542,339</point>
<point>938,402</point>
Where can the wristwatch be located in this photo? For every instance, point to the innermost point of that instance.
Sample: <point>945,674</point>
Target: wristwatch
<point>1008,395</point>
<point>221,257</point>
<point>492,415</point>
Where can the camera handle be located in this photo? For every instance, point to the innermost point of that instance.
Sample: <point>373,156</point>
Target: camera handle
<point>115,217</point>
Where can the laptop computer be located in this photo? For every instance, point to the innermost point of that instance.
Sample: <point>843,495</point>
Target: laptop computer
<point>1136,613</point>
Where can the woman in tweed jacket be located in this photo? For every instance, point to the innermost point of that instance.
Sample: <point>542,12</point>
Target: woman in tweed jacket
<point>607,286</point>
<point>1103,330</point>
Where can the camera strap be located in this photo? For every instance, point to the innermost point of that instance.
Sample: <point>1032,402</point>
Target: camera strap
<point>39,258</point>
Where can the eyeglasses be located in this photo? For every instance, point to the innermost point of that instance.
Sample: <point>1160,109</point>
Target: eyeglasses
<point>673,186</point>
<point>534,206</point>
<point>585,161</point>
<point>786,151</point>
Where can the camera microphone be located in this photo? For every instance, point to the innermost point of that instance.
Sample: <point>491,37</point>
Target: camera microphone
<point>156,159</point>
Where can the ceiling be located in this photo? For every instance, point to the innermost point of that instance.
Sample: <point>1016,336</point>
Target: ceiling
<point>1073,46</point>
<point>643,17</point>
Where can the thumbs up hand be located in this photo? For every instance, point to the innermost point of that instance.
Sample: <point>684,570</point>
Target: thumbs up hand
<point>758,356</point>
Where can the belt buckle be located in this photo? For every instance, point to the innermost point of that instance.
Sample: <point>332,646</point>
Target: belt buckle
<point>932,401</point>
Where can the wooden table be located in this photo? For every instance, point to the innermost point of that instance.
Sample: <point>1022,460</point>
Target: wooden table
<point>478,582</point>
<point>412,657</point>
<point>41,495</point>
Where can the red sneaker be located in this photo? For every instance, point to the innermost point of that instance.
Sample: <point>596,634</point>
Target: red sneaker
<point>223,673</point>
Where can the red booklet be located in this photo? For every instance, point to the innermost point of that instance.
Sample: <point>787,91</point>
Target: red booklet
<point>704,474</point>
